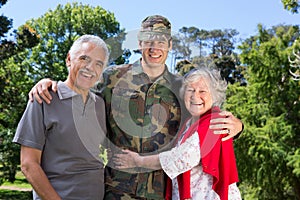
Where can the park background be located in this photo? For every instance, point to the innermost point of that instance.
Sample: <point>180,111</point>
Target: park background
<point>255,45</point>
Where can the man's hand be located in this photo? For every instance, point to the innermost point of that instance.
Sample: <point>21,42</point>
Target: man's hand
<point>40,91</point>
<point>229,125</point>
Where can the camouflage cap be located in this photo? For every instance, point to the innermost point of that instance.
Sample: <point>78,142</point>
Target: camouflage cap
<point>153,27</point>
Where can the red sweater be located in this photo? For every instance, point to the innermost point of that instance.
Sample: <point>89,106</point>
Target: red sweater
<point>217,158</point>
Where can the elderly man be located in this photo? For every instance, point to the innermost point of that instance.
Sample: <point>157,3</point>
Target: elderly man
<point>60,141</point>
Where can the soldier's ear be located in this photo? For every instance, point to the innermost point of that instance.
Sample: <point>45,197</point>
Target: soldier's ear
<point>140,44</point>
<point>170,45</point>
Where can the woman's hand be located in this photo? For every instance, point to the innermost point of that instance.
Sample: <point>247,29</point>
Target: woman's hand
<point>126,159</point>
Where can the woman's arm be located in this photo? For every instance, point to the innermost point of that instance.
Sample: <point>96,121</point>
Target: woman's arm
<point>174,162</point>
<point>130,159</point>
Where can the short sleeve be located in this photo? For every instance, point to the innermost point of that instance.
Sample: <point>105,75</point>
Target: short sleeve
<point>31,130</point>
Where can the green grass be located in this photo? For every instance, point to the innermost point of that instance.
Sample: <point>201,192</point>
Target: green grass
<point>21,182</point>
<point>15,195</point>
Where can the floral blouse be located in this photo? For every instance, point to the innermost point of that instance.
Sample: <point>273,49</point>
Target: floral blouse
<point>186,156</point>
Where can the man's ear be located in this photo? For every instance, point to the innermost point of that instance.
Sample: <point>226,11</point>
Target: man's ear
<point>68,60</point>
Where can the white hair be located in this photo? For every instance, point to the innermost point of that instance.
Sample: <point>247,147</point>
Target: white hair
<point>89,39</point>
<point>217,85</point>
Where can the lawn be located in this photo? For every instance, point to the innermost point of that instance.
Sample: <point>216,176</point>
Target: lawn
<point>17,189</point>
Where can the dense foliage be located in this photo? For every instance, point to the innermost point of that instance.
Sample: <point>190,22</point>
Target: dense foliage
<point>268,151</point>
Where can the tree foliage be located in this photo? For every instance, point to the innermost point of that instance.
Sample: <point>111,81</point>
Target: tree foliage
<point>291,5</point>
<point>13,79</point>
<point>58,30</point>
<point>216,48</point>
<point>268,152</point>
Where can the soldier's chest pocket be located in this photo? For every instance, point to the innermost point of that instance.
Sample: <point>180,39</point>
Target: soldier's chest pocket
<point>125,101</point>
<point>168,109</point>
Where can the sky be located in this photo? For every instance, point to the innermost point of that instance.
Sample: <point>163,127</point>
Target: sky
<point>203,14</point>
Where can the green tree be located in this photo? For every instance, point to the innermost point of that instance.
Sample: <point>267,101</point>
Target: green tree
<point>12,80</point>
<point>60,27</point>
<point>268,152</point>
<point>291,5</point>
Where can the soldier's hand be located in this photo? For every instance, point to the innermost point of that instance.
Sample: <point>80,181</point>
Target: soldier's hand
<point>229,125</point>
<point>41,92</point>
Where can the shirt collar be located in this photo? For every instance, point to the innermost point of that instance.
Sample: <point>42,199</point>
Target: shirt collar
<point>64,92</point>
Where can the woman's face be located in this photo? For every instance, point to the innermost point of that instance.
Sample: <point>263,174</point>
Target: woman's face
<point>197,97</point>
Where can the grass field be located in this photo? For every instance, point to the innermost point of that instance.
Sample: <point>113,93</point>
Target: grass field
<point>19,190</point>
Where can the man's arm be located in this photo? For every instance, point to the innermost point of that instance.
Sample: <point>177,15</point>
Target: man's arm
<point>31,168</point>
<point>40,90</point>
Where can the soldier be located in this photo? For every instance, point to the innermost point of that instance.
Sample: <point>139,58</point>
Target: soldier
<point>143,110</point>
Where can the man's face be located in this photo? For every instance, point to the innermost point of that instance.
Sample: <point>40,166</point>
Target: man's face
<point>86,65</point>
<point>155,51</point>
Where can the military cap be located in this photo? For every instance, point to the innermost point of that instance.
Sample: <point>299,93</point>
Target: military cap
<point>153,27</point>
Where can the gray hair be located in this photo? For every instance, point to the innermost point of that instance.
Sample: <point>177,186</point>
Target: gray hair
<point>217,85</point>
<point>90,39</point>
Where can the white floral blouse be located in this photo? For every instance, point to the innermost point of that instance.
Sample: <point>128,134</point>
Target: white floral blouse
<point>184,157</point>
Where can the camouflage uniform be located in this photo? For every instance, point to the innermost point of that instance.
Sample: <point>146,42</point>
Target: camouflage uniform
<point>142,116</point>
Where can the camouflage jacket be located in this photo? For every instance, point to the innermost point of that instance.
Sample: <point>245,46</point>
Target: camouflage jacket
<point>142,116</point>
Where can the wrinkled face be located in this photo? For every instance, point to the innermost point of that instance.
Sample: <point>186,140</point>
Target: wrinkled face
<point>155,52</point>
<point>197,98</point>
<point>86,65</point>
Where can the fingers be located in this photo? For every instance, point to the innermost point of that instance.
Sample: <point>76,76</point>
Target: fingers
<point>227,137</point>
<point>54,86</point>
<point>44,93</point>
<point>226,113</point>
<point>229,125</point>
<point>41,90</point>
<point>121,160</point>
<point>33,94</point>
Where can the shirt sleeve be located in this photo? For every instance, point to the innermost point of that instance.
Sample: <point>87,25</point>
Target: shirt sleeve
<point>182,157</point>
<point>31,130</point>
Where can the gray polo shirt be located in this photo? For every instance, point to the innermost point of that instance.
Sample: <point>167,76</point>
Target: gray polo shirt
<point>68,132</point>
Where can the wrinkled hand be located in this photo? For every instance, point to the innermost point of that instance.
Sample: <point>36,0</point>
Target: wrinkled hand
<point>126,159</point>
<point>40,91</point>
<point>229,125</point>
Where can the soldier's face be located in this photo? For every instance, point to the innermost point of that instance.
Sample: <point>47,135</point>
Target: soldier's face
<point>155,52</point>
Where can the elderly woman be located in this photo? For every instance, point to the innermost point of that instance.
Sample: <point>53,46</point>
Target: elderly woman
<point>201,165</point>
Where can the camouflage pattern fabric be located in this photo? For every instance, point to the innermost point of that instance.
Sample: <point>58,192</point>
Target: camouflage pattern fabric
<point>155,27</point>
<point>144,117</point>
